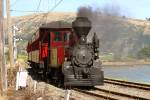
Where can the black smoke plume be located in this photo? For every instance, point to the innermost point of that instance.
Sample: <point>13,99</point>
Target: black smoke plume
<point>105,22</point>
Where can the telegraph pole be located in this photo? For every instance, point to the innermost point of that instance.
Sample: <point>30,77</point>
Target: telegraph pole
<point>2,57</point>
<point>9,33</point>
<point>14,28</point>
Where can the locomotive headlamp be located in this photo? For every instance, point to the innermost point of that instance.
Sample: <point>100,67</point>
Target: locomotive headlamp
<point>67,67</point>
<point>83,39</point>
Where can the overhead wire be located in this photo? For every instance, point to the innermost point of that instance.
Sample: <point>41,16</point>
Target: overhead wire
<point>46,14</point>
<point>33,17</point>
<point>26,11</point>
<point>37,11</point>
<point>43,19</point>
<point>14,3</point>
<point>35,14</point>
<point>39,5</point>
<point>56,5</point>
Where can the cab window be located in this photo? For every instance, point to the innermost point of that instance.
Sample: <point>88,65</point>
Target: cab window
<point>58,36</point>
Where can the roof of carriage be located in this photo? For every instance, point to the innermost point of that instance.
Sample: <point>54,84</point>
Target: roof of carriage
<point>57,25</point>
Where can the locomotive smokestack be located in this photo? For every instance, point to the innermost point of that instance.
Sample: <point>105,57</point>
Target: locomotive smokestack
<point>81,26</point>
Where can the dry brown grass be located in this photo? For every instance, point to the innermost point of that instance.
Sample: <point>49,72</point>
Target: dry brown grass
<point>11,77</point>
<point>26,94</point>
<point>3,97</point>
<point>23,93</point>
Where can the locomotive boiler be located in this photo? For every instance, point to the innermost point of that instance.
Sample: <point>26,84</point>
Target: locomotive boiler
<point>84,67</point>
<point>60,52</point>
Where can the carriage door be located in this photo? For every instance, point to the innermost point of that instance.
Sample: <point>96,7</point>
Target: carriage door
<point>57,49</point>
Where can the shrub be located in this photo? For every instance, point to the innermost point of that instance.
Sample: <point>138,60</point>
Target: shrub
<point>144,53</point>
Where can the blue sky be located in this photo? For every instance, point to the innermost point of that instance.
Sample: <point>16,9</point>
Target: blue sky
<point>132,8</point>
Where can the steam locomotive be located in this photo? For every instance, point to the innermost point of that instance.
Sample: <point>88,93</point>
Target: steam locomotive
<point>60,52</point>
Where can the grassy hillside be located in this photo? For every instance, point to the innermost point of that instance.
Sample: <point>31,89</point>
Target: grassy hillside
<point>122,37</point>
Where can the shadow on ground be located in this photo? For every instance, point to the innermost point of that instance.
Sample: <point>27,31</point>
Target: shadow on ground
<point>41,78</point>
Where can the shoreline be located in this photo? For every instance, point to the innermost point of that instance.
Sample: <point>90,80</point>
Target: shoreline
<point>125,63</point>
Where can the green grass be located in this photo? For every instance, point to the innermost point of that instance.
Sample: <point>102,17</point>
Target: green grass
<point>23,57</point>
<point>107,57</point>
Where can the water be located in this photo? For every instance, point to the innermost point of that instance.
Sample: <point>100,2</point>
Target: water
<point>135,73</point>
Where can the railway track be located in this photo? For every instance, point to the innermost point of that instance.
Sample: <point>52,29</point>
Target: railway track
<point>119,94</point>
<point>127,84</point>
<point>94,94</point>
<point>109,95</point>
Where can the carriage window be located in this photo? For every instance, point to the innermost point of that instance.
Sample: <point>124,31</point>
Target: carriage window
<point>66,36</point>
<point>58,36</point>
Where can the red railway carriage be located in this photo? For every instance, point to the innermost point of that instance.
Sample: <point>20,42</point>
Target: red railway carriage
<point>49,47</point>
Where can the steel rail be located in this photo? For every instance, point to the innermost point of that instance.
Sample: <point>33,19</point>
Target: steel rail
<point>121,94</point>
<point>94,94</point>
<point>128,84</point>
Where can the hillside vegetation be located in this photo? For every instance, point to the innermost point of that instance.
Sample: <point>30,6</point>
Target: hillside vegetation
<point>119,36</point>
